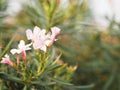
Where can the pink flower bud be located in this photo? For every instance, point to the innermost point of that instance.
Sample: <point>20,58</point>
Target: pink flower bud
<point>18,60</point>
<point>7,60</point>
<point>24,56</point>
<point>55,31</point>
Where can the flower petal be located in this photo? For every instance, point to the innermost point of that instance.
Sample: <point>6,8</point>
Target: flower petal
<point>13,51</point>
<point>36,30</point>
<point>55,31</point>
<point>36,44</point>
<point>21,44</point>
<point>27,47</point>
<point>44,48</point>
<point>29,34</point>
<point>6,60</point>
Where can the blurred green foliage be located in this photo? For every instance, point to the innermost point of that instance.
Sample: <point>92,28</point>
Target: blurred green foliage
<point>95,50</point>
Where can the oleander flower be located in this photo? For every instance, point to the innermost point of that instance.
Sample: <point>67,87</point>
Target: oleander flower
<point>21,48</point>
<point>40,39</point>
<point>54,32</point>
<point>6,60</point>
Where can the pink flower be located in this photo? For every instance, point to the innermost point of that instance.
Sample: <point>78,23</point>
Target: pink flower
<point>33,35</point>
<point>38,37</point>
<point>55,31</point>
<point>21,48</point>
<point>7,60</point>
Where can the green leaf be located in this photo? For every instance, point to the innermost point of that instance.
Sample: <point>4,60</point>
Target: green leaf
<point>51,56</point>
<point>71,85</point>
<point>43,83</point>
<point>53,67</point>
<point>84,86</point>
<point>60,81</point>
<point>110,80</point>
<point>7,77</point>
<point>7,47</point>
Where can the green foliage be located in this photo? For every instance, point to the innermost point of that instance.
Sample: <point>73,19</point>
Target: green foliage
<point>38,72</point>
<point>3,6</point>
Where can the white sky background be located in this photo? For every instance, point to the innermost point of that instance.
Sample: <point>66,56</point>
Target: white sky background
<point>14,6</point>
<point>100,9</point>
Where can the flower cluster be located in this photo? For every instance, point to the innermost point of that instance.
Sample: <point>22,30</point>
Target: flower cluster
<point>40,40</point>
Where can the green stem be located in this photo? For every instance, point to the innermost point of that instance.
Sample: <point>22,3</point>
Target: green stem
<point>25,87</point>
<point>41,62</point>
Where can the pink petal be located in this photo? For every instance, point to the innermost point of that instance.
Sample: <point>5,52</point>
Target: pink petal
<point>6,60</point>
<point>13,51</point>
<point>36,30</point>
<point>21,44</point>
<point>43,48</point>
<point>21,47</point>
<point>29,34</point>
<point>36,44</point>
<point>48,42</point>
<point>55,31</point>
<point>28,46</point>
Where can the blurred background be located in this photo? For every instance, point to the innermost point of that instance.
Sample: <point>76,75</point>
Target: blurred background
<point>90,34</point>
